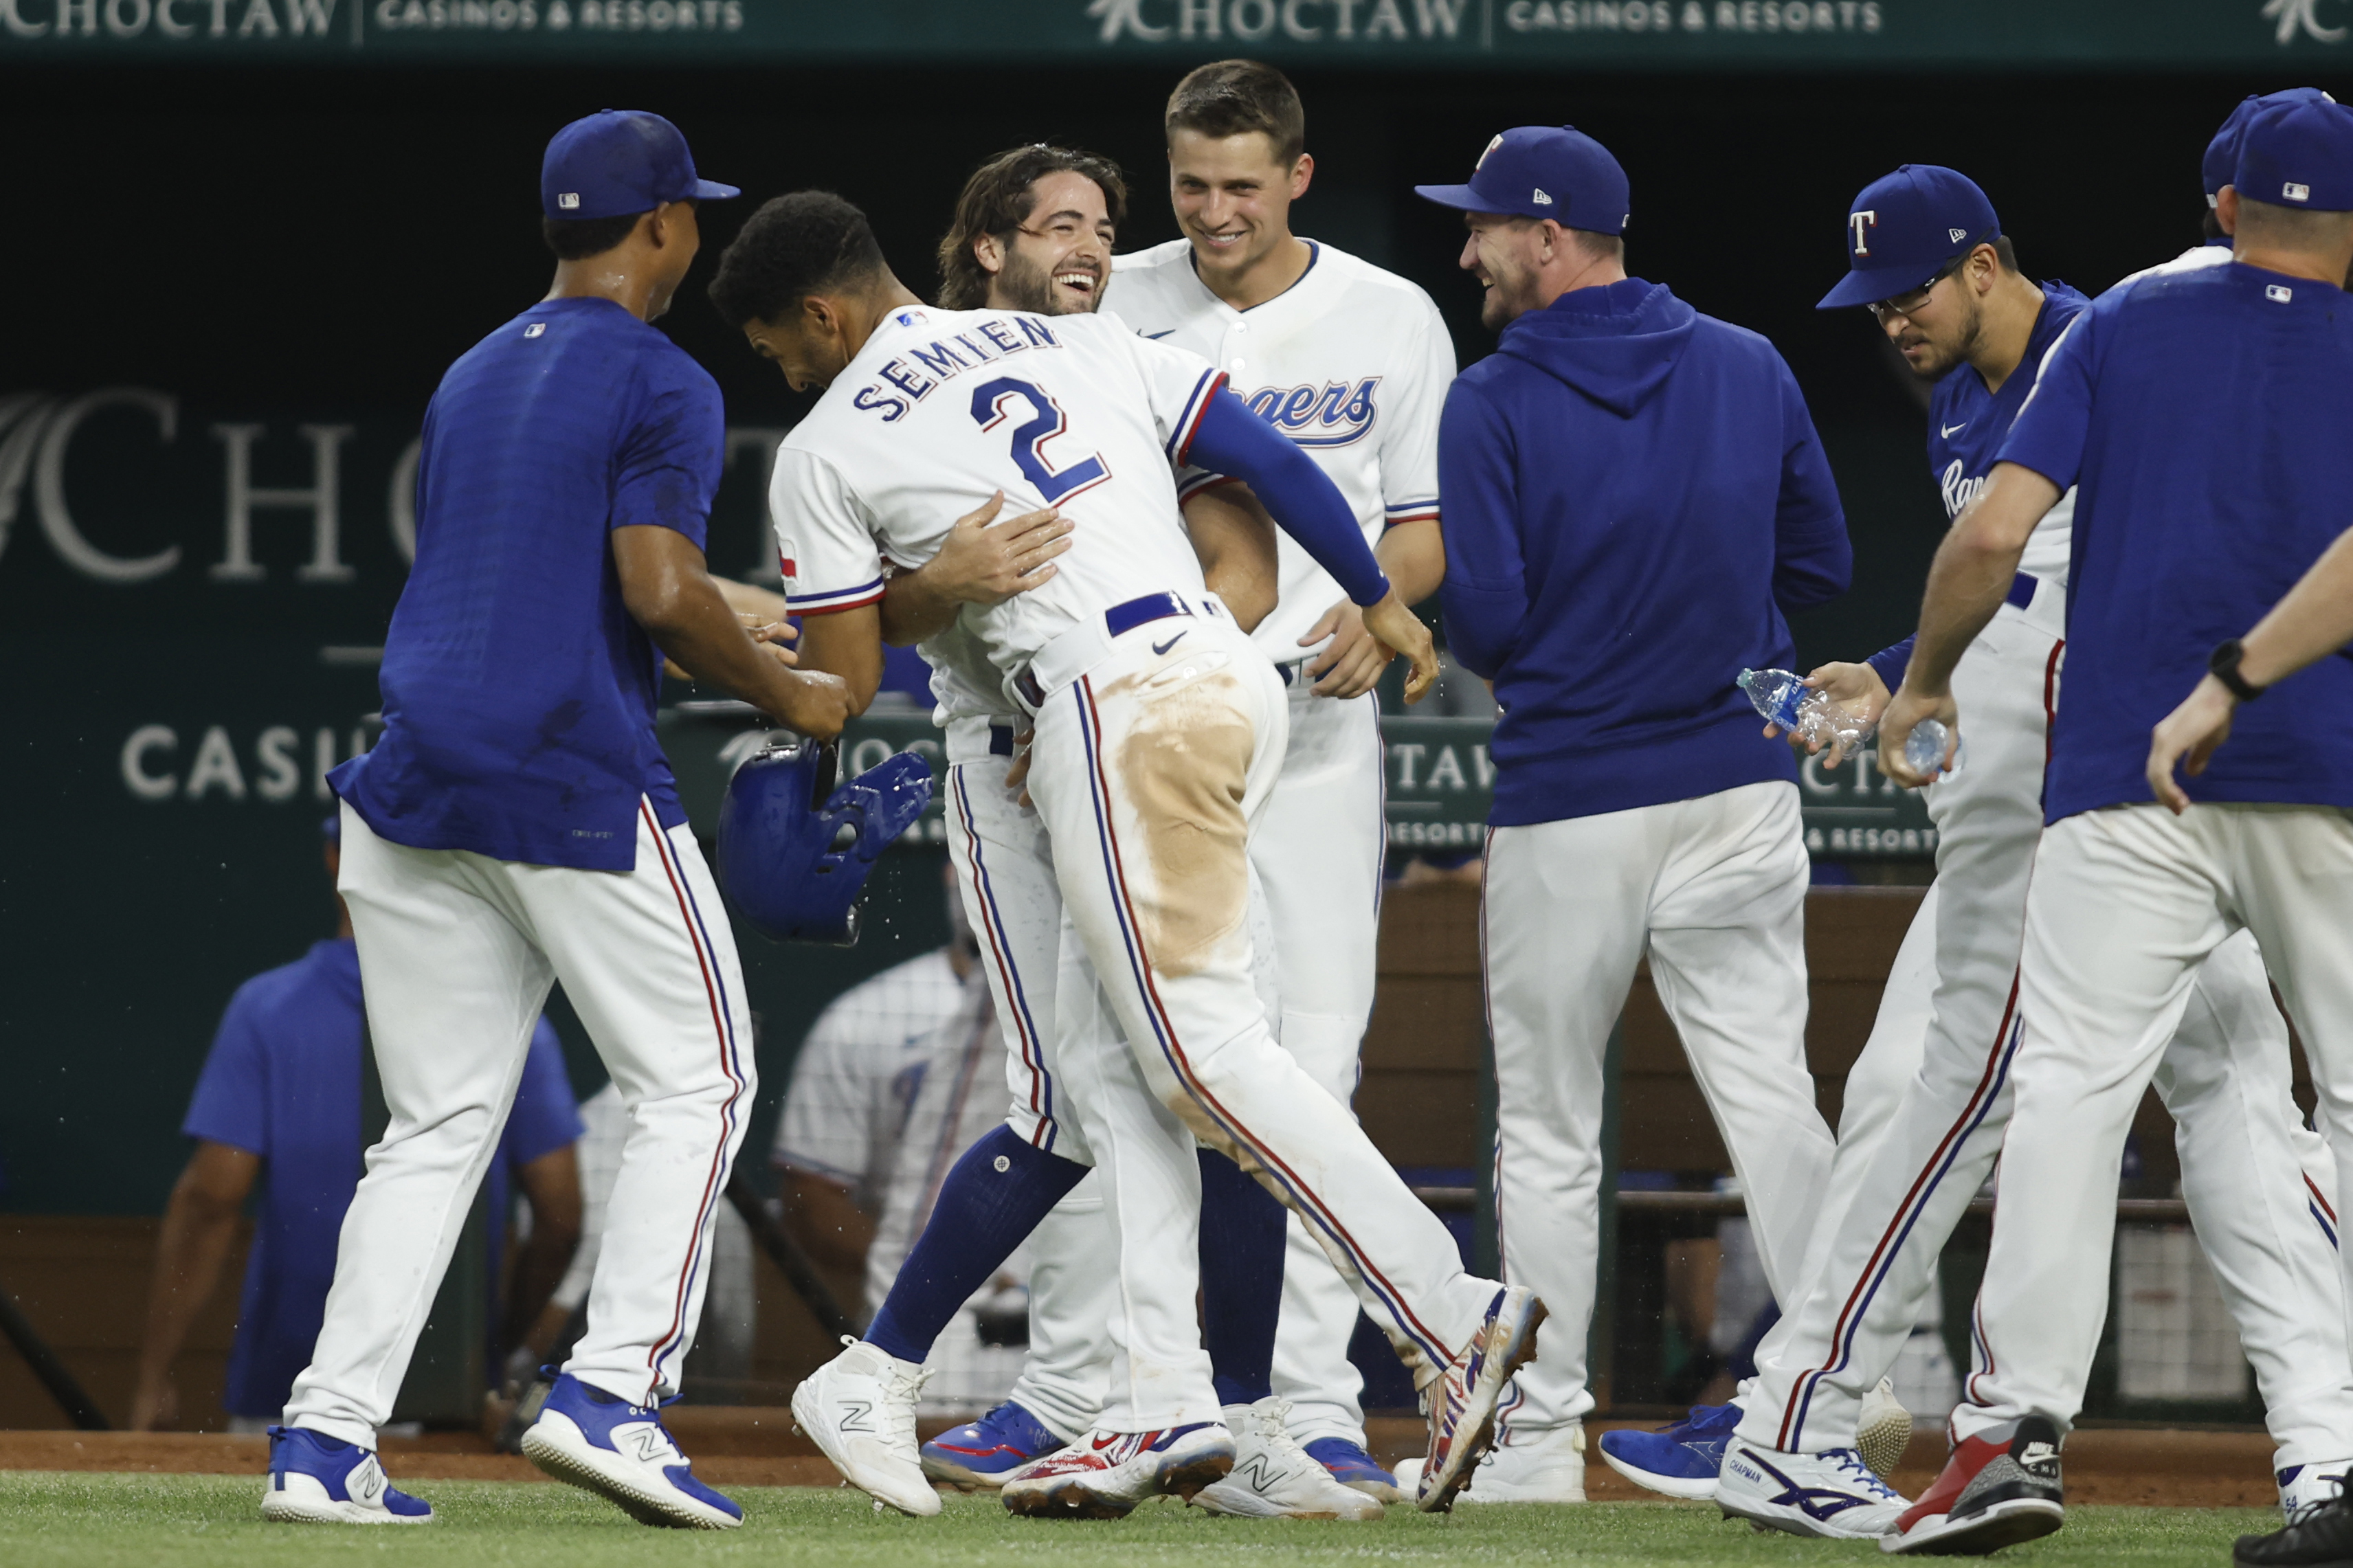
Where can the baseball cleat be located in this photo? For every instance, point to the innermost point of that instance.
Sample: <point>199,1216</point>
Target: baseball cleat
<point>1105,1475</point>
<point>601,1443</point>
<point>1273,1477</point>
<point>2303,1486</point>
<point>318,1479</point>
<point>1991,1494</point>
<point>860,1409</point>
<point>2320,1534</point>
<point>1832,1495</point>
<point>1352,1467</point>
<point>1531,1467</point>
<point>1882,1429</point>
<point>1461,1403</point>
<point>980,1455</point>
<point>1682,1460</point>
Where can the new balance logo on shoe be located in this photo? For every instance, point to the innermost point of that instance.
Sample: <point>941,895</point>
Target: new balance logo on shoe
<point>652,1446</point>
<point>860,1416</point>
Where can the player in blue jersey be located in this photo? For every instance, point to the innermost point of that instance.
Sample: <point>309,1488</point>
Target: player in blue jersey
<point>517,825</point>
<point>2200,416</point>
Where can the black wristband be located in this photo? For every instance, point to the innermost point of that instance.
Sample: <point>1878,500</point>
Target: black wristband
<point>2223,666</point>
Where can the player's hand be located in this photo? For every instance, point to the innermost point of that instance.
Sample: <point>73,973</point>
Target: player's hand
<point>813,702</point>
<point>1401,631</point>
<point>2202,723</point>
<point>1856,690</point>
<point>985,561</point>
<point>773,636</point>
<point>1904,710</point>
<point>1017,774</point>
<point>1356,659</point>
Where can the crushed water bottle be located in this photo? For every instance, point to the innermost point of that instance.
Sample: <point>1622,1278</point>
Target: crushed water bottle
<point>1924,748</point>
<point>1786,699</point>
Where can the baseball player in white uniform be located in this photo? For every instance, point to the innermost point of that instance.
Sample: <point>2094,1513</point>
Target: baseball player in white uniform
<point>1158,730</point>
<point>1930,1099</point>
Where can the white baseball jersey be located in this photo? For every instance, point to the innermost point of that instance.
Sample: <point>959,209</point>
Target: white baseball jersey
<point>940,409</point>
<point>1351,363</point>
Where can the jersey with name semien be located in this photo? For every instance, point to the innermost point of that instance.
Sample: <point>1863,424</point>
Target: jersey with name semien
<point>1351,363</point>
<point>942,407</point>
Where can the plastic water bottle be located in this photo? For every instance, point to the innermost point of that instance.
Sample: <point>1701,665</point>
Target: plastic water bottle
<point>1786,699</point>
<point>1924,748</point>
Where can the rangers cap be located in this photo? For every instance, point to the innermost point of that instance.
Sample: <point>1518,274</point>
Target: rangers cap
<point>1542,171</point>
<point>1907,226</point>
<point>2298,155</point>
<point>617,161</point>
<point>2221,161</point>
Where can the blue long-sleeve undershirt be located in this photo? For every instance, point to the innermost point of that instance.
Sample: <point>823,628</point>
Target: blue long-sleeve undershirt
<point>1303,503</point>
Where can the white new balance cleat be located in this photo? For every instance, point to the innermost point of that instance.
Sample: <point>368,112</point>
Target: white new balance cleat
<point>1461,1403</point>
<point>1832,1495</point>
<point>860,1409</point>
<point>1273,1477</point>
<point>1531,1467</point>
<point>1882,1429</point>
<point>601,1443</point>
<point>1105,1475</point>
<point>318,1479</point>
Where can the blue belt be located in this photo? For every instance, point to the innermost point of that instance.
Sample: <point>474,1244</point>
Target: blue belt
<point>1118,621</point>
<point>1000,739</point>
<point>2022,590</point>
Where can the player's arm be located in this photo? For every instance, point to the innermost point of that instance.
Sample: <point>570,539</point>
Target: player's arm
<point>982,562</point>
<point>551,1185</point>
<point>1485,594</point>
<point>1413,555</point>
<point>846,644</point>
<point>1229,439</point>
<point>1971,576</point>
<point>821,1215</point>
<point>668,588</point>
<point>199,1224</point>
<point>1234,538</point>
<point>2314,621</point>
<point>1813,560</point>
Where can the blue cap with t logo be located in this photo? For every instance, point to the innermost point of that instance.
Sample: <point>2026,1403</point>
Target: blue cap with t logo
<point>1542,171</point>
<point>617,161</point>
<point>1907,226</point>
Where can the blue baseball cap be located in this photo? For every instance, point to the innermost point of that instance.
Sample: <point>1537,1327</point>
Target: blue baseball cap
<point>2221,161</point>
<point>2298,155</point>
<point>617,161</point>
<point>1907,226</point>
<point>1542,171</point>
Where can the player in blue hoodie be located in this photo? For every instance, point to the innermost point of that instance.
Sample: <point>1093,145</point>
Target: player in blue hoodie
<point>1634,497</point>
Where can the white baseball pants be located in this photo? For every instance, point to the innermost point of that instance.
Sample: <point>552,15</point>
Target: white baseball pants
<point>1005,872</point>
<point>1714,888</point>
<point>458,952</point>
<point>1150,769</point>
<point>2126,904</point>
<point>1936,1079</point>
<point>1318,852</point>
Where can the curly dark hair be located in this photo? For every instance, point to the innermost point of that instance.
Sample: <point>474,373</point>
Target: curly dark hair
<point>795,245</point>
<point>1227,98</point>
<point>996,200</point>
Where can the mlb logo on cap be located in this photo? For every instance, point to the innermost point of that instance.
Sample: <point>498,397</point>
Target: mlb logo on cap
<point>2296,193</point>
<point>618,162</point>
<point>2298,154</point>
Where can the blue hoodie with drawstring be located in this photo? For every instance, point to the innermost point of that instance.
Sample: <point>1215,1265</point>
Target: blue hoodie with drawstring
<point>1634,495</point>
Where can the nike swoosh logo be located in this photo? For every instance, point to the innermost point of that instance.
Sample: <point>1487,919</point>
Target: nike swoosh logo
<point>1160,647</point>
<point>1948,429</point>
<point>1158,336</point>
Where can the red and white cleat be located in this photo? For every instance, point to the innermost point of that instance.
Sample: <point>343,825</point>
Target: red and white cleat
<point>1105,1475</point>
<point>1991,1495</point>
<point>1461,1403</point>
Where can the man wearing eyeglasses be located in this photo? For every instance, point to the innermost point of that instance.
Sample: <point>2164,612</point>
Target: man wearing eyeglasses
<point>1928,1104</point>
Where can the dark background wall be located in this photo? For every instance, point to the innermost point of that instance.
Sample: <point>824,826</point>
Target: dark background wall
<point>311,246</point>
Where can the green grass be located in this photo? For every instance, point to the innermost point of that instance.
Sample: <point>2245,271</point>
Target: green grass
<point>69,1520</point>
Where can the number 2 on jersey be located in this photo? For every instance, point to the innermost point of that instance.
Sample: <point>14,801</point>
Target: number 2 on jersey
<point>988,409</point>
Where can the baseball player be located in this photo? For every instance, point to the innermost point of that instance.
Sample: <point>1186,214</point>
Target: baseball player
<point>1635,494</point>
<point>1157,731</point>
<point>1947,1034</point>
<point>516,823</point>
<point>2198,415</point>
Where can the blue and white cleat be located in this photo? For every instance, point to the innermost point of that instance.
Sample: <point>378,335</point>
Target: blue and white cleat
<point>978,1455</point>
<point>2307,1486</point>
<point>1461,1403</point>
<point>1682,1460</point>
<point>1832,1495</point>
<point>1354,1468</point>
<point>622,1452</point>
<point>318,1479</point>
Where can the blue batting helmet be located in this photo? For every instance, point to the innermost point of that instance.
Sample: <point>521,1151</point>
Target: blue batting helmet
<point>794,850</point>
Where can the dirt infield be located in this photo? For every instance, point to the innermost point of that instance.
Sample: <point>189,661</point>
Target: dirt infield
<point>756,1447</point>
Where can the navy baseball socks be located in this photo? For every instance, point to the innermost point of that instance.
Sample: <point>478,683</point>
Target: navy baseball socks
<point>1242,1237</point>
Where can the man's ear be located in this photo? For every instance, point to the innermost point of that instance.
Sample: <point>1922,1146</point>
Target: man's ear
<point>1302,173</point>
<point>822,316</point>
<point>989,253</point>
<point>2226,209</point>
